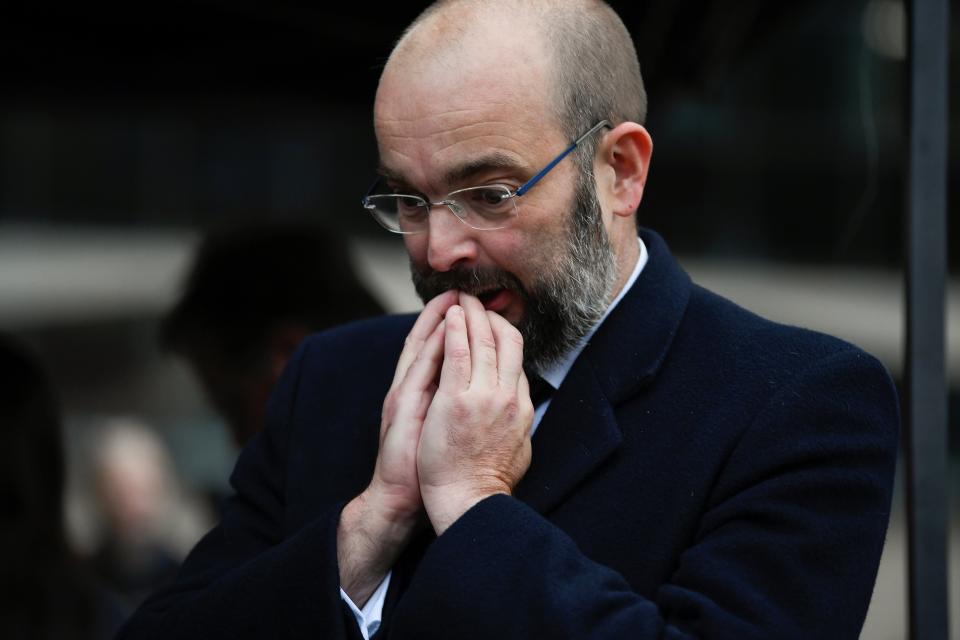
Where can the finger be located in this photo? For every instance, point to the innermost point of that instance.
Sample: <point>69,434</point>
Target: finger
<point>523,391</point>
<point>412,397</point>
<point>509,344</point>
<point>455,371</point>
<point>424,371</point>
<point>483,347</point>
<point>428,320</point>
<point>523,385</point>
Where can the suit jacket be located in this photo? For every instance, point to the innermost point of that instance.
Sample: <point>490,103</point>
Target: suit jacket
<point>701,472</point>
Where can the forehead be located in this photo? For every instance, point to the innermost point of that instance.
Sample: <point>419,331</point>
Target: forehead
<point>450,105</point>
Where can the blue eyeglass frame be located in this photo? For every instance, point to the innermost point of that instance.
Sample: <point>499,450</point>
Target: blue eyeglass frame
<point>529,184</point>
<point>526,186</point>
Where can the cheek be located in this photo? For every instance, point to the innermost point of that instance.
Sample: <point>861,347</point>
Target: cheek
<point>544,231</point>
<point>416,245</point>
<point>539,251</point>
<point>510,250</point>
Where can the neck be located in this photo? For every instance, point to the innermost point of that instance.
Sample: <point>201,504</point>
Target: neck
<point>627,255</point>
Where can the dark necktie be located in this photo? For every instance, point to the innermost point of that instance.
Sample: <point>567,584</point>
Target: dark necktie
<point>540,389</point>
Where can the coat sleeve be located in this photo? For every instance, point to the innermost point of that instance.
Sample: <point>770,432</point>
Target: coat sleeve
<point>787,546</point>
<point>245,579</point>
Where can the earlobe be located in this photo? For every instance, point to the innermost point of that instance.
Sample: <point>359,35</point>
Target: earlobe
<point>629,148</point>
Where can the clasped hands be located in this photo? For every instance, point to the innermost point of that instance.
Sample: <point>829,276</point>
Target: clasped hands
<point>455,429</point>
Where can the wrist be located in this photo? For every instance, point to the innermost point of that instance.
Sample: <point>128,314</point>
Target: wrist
<point>368,545</point>
<point>379,528</point>
<point>387,512</point>
<point>446,505</point>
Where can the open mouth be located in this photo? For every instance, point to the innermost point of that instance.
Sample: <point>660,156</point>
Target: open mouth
<point>494,299</point>
<point>487,296</point>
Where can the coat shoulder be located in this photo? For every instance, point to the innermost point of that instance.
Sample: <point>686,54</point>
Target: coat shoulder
<point>719,324</point>
<point>750,362</point>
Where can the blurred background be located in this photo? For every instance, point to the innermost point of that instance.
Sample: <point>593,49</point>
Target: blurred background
<point>129,135</point>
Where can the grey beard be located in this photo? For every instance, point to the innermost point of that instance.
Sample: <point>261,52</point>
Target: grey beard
<point>564,303</point>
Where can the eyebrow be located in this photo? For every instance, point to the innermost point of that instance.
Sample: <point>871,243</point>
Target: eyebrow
<point>389,174</point>
<point>463,172</point>
<point>484,164</point>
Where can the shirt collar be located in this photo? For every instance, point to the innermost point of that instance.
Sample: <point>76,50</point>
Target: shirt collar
<point>555,374</point>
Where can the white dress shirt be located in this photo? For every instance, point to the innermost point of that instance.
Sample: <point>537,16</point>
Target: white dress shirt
<point>369,617</point>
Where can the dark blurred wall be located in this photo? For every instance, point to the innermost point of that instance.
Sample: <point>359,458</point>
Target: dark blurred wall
<point>778,127</point>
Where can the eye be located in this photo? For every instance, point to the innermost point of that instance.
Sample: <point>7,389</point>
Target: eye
<point>485,206</point>
<point>492,197</point>
<point>410,207</point>
<point>407,202</point>
<point>487,198</point>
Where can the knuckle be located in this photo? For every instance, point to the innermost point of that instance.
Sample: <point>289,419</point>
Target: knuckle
<point>459,353</point>
<point>461,409</point>
<point>487,400</point>
<point>488,357</point>
<point>512,410</point>
<point>528,415</point>
<point>461,369</point>
<point>390,400</point>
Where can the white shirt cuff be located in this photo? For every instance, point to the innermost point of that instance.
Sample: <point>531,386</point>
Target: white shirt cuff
<point>370,616</point>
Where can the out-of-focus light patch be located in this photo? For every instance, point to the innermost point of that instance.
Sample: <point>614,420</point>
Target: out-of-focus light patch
<point>885,28</point>
<point>63,275</point>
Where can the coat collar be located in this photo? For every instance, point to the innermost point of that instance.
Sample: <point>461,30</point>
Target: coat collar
<point>580,430</point>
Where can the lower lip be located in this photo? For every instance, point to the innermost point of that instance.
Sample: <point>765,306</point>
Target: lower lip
<point>498,302</point>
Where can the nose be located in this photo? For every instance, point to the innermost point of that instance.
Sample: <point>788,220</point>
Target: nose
<point>450,242</point>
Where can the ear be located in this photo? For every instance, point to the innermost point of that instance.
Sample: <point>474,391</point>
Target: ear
<point>626,150</point>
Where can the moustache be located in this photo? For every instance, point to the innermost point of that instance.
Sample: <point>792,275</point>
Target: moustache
<point>476,281</point>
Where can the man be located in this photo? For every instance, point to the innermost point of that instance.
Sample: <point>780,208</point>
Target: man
<point>697,471</point>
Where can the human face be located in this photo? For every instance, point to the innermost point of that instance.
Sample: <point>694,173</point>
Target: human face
<point>562,305</point>
<point>437,133</point>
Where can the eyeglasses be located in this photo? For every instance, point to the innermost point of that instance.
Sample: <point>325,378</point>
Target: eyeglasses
<point>484,208</point>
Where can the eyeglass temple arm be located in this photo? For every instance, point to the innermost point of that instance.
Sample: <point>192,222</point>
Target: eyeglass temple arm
<point>526,186</point>
<point>373,186</point>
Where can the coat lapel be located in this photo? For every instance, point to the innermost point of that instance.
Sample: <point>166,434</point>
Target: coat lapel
<point>580,431</point>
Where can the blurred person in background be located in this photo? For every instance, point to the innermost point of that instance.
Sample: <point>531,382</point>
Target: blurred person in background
<point>252,295</point>
<point>571,440</point>
<point>147,522</point>
<point>45,591</point>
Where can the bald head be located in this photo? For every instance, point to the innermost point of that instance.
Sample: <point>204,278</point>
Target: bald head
<point>588,61</point>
